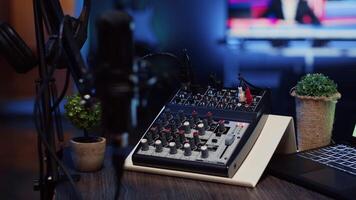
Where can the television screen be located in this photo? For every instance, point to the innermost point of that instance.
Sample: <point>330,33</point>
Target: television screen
<point>293,19</point>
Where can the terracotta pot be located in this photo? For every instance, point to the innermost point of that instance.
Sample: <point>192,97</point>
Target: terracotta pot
<point>315,119</point>
<point>88,153</point>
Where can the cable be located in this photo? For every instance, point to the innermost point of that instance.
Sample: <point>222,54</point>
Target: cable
<point>151,55</point>
<point>44,83</point>
<point>63,93</point>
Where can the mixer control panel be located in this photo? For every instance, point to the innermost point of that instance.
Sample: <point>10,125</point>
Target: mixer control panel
<point>209,131</point>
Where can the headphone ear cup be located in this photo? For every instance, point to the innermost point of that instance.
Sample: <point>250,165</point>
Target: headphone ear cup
<point>15,50</point>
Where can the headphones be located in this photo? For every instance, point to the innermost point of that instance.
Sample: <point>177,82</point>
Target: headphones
<point>15,50</point>
<point>18,53</point>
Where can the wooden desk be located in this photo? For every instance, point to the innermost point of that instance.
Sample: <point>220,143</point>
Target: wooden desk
<point>101,186</point>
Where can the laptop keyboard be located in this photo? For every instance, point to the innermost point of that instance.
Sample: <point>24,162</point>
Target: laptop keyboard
<point>339,156</point>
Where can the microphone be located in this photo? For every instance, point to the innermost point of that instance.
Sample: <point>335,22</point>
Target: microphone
<point>112,79</point>
<point>114,68</point>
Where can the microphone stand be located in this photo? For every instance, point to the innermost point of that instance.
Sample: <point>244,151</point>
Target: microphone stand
<point>48,174</point>
<point>47,118</point>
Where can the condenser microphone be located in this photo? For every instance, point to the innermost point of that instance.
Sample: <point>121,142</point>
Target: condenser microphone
<point>115,40</point>
<point>113,69</point>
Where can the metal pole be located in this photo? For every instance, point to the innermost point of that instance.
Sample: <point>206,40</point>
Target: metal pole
<point>47,189</point>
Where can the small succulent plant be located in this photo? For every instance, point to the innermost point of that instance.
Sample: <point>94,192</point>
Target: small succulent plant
<point>316,85</point>
<point>85,118</point>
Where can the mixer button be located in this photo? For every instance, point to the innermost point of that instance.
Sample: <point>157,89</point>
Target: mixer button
<point>159,147</point>
<point>144,144</point>
<point>172,148</point>
<point>214,140</point>
<point>204,152</point>
<point>187,149</point>
<point>229,139</point>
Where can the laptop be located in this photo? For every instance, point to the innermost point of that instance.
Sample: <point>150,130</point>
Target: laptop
<point>330,170</point>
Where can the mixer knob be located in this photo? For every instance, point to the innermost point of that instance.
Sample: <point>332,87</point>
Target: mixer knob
<point>202,103</point>
<point>173,127</point>
<point>149,137</point>
<point>220,93</point>
<point>177,120</point>
<point>206,124</point>
<point>144,144</point>
<point>154,132</point>
<point>192,143</point>
<point>163,139</point>
<point>209,117</point>
<point>167,114</point>
<point>211,104</point>
<point>221,126</point>
<point>159,147</point>
<point>225,100</point>
<point>168,133</point>
<point>216,99</point>
<point>221,105</point>
<point>186,127</point>
<point>172,148</point>
<point>204,151</point>
<point>195,116</point>
<point>159,124</point>
<point>211,92</point>
<point>181,136</point>
<point>231,106</point>
<point>201,129</point>
<point>187,149</point>
<point>178,143</point>
<point>177,100</point>
<point>196,138</point>
<point>181,115</point>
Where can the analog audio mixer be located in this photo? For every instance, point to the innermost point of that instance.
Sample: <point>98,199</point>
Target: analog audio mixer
<point>208,131</point>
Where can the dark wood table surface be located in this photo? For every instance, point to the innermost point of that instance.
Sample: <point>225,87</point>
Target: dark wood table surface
<point>135,185</point>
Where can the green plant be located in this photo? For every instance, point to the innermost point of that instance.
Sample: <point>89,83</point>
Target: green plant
<point>85,118</point>
<point>317,85</point>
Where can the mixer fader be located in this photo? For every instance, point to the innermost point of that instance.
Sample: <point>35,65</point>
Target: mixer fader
<point>207,131</point>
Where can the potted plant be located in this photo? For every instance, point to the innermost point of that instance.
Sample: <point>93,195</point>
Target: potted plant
<point>316,96</point>
<point>87,151</point>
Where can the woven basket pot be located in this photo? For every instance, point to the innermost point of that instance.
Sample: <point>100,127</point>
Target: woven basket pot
<point>315,119</point>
